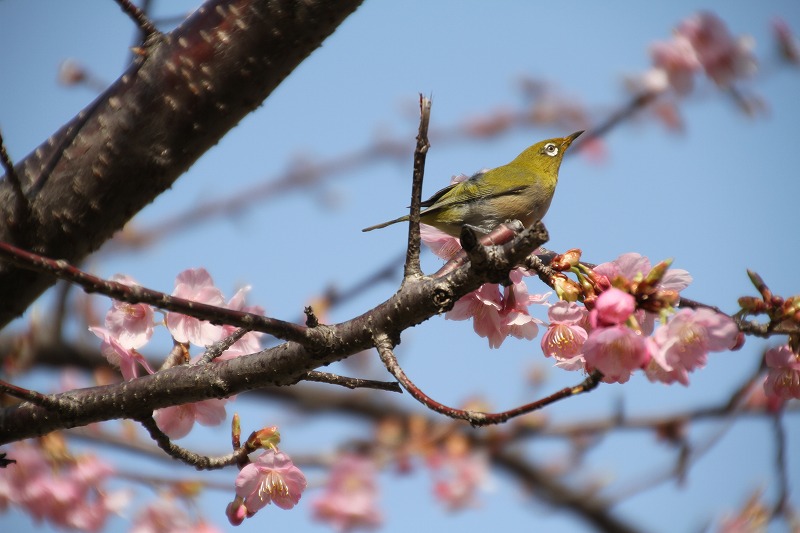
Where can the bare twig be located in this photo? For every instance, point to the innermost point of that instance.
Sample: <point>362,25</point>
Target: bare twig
<point>159,482</point>
<point>781,465</point>
<point>22,211</point>
<point>139,17</point>
<point>136,294</point>
<point>475,418</point>
<point>219,347</point>
<point>412,267</point>
<point>46,401</point>
<point>200,462</point>
<point>352,383</point>
<point>637,103</point>
<point>11,173</point>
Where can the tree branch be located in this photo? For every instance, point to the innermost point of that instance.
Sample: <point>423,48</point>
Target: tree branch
<point>417,300</point>
<point>182,94</point>
<point>200,462</point>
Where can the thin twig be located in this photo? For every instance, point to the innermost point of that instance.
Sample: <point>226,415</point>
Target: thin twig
<point>352,383</point>
<point>200,462</point>
<point>137,294</point>
<point>22,212</point>
<point>139,17</point>
<point>412,267</point>
<point>219,347</point>
<point>475,418</point>
<point>37,398</point>
<point>638,102</point>
<point>159,482</point>
<point>11,173</point>
<point>781,466</point>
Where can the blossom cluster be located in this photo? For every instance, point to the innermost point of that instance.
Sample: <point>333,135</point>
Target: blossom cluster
<point>700,45</point>
<point>128,327</point>
<point>628,325</point>
<point>349,499</point>
<point>54,487</point>
<point>703,43</point>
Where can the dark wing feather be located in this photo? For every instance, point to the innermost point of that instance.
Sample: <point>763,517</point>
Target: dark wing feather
<point>470,191</point>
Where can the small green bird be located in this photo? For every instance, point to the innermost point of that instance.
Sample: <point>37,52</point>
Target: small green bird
<point>521,190</point>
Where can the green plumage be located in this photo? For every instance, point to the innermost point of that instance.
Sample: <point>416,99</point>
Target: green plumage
<point>521,190</point>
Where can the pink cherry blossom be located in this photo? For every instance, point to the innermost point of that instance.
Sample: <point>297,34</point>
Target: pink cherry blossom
<point>702,43</point>
<point>633,265</point>
<point>682,345</point>
<point>350,496</point>
<point>497,315</point>
<point>678,60</point>
<point>251,341</point>
<point>177,421</point>
<point>127,360</point>
<point>272,477</point>
<point>195,285</point>
<point>483,306</point>
<point>165,515</point>
<point>130,324</point>
<point>68,494</point>
<point>440,243</point>
<point>566,334</point>
<point>236,511</point>
<point>723,57</point>
<point>787,43</point>
<point>458,476</point>
<point>613,307</point>
<point>616,352</point>
<point>783,377</point>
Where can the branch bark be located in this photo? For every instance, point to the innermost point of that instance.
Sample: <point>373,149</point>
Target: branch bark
<point>178,99</point>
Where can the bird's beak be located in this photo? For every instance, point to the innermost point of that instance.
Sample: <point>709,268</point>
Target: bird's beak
<point>569,138</point>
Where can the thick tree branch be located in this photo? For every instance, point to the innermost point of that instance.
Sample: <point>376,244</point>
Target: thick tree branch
<point>182,94</point>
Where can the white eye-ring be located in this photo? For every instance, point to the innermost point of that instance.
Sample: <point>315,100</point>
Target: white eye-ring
<point>551,149</point>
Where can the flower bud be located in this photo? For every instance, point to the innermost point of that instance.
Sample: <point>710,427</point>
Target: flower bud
<point>752,305</point>
<point>566,289</point>
<point>264,438</point>
<point>654,276</point>
<point>567,260</point>
<point>236,511</point>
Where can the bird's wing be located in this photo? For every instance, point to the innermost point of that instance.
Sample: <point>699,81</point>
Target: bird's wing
<point>465,192</point>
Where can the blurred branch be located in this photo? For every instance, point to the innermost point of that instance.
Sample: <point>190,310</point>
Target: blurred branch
<point>307,174</point>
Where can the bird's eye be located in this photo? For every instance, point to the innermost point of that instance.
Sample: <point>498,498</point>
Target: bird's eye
<point>551,149</point>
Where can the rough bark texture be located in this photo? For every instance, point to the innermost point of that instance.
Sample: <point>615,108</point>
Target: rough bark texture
<point>186,90</point>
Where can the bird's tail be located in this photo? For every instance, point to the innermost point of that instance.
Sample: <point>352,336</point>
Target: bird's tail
<point>384,224</point>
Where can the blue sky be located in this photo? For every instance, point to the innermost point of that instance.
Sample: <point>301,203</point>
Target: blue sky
<point>719,198</point>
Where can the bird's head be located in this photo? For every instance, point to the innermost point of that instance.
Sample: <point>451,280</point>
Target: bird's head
<point>544,158</point>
